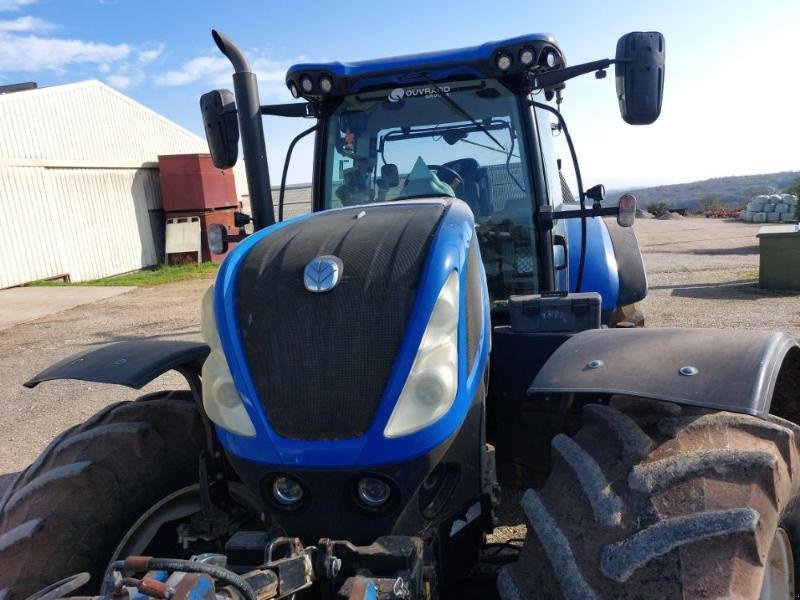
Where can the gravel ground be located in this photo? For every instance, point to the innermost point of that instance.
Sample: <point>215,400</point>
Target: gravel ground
<point>702,273</point>
<point>31,418</point>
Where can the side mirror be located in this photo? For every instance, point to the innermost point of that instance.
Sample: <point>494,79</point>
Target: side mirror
<point>627,210</point>
<point>217,237</point>
<point>222,128</point>
<point>355,121</point>
<point>639,73</point>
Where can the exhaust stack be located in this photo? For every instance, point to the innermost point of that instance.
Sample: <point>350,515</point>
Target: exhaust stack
<point>254,150</point>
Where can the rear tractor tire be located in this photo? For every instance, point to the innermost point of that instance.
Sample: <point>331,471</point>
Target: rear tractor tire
<point>67,511</point>
<point>651,500</point>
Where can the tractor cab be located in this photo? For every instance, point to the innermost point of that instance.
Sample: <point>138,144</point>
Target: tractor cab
<point>457,123</point>
<point>472,123</point>
<point>380,147</point>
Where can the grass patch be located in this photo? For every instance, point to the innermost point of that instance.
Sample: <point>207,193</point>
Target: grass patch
<point>155,276</point>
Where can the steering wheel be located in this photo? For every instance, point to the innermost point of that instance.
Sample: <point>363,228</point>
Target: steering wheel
<point>449,176</point>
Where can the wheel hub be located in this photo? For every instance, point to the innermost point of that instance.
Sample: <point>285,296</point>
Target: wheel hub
<point>779,573</point>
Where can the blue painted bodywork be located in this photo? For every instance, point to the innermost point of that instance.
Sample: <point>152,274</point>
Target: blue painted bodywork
<point>467,62</point>
<point>448,252</point>
<point>600,272</point>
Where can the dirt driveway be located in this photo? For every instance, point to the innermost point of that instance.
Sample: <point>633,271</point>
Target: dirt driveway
<point>702,272</point>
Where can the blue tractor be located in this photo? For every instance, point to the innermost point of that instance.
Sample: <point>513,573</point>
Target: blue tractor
<point>445,320</point>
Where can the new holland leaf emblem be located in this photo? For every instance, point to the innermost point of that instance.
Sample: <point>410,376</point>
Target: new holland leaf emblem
<point>322,274</point>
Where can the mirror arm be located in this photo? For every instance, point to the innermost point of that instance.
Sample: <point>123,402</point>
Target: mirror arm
<point>604,211</point>
<point>295,109</point>
<point>553,78</point>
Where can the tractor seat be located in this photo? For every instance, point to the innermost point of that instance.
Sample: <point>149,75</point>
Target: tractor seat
<point>468,169</point>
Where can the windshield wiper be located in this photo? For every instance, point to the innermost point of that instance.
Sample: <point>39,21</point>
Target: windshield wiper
<point>457,107</point>
<point>492,148</point>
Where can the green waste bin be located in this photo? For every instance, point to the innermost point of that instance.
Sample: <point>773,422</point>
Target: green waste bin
<point>779,264</point>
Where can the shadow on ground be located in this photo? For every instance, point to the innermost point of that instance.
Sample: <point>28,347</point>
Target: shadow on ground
<point>727,290</point>
<point>741,251</point>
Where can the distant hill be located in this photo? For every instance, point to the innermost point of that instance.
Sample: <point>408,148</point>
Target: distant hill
<point>729,190</point>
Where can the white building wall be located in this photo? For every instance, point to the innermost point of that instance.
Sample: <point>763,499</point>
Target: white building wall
<point>31,246</point>
<point>79,182</point>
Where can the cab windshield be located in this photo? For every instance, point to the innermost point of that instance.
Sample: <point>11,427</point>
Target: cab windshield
<point>411,143</point>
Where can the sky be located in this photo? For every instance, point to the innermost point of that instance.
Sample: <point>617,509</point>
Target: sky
<point>731,96</point>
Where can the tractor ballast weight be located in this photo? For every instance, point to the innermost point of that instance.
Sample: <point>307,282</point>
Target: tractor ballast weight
<point>343,388</point>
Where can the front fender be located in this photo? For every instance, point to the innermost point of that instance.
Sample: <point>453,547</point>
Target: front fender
<point>132,363</point>
<point>738,371</point>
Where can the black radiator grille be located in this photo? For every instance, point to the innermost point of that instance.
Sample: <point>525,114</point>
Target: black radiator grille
<point>320,361</point>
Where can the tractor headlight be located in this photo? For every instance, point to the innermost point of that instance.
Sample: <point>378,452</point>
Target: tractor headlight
<point>221,400</point>
<point>430,389</point>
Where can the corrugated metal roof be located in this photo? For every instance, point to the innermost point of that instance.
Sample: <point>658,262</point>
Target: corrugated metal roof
<point>86,124</point>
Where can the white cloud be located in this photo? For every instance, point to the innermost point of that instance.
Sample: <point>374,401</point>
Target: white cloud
<point>124,81</point>
<point>25,49</point>
<point>126,74</point>
<point>145,57</point>
<point>216,71</point>
<point>25,25</point>
<point>206,68</point>
<point>12,5</point>
<point>121,82</point>
<point>34,53</point>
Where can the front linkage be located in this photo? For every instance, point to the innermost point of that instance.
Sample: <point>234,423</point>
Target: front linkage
<point>392,567</point>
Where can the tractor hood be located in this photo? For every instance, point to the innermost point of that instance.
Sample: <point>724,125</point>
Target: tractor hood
<point>320,320</point>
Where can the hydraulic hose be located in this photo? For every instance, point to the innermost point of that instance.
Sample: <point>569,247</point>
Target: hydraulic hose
<point>139,563</point>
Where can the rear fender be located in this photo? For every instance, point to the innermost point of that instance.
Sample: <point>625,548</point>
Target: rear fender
<point>132,363</point>
<point>746,372</point>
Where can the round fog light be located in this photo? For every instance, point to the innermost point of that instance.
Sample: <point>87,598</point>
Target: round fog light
<point>287,491</point>
<point>306,83</point>
<point>373,492</point>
